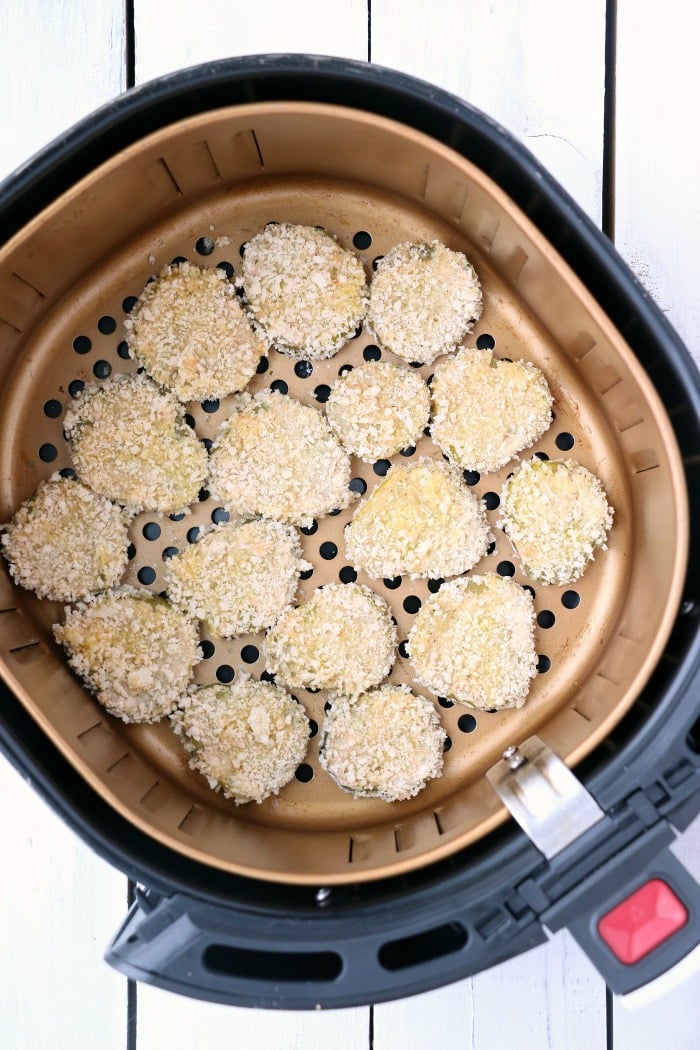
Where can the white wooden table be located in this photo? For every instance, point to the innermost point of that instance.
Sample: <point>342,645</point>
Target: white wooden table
<point>539,67</point>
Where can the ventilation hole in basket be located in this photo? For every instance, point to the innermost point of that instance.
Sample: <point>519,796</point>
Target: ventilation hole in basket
<point>485,341</point>
<point>107,325</point>
<point>416,364</point>
<point>279,386</point>
<point>250,654</point>
<point>444,702</point>
<point>225,673</point>
<point>220,515</point>
<point>491,500</point>
<point>210,406</point>
<point>412,603</point>
<point>564,441</point>
<point>543,664</point>
<point>344,370</point>
<point>347,574</point>
<point>381,467</point>
<point>322,392</point>
<point>177,517</point>
<point>466,723</point>
<point>303,369</point>
<point>193,534</point>
<point>178,260</point>
<point>53,408</point>
<point>267,676</point>
<point>146,575</point>
<point>505,568</point>
<point>169,552</point>
<point>376,261</point>
<point>313,728</point>
<point>408,451</point>
<point>327,706</point>
<point>358,485</point>
<point>304,773</point>
<point>472,477</point>
<point>362,240</point>
<point>151,530</point>
<point>546,619</point>
<point>189,420</point>
<point>101,369</point>
<point>242,248</point>
<point>131,552</point>
<point>123,351</point>
<point>530,590</point>
<point>435,585</point>
<point>491,548</point>
<point>372,353</point>
<point>403,649</point>
<point>203,495</point>
<point>263,365</point>
<point>207,442</point>
<point>48,453</point>
<point>204,246</point>
<point>82,345</point>
<point>571,599</point>
<point>393,583</point>
<point>227,267</point>
<point>309,530</point>
<point>447,745</point>
<point>328,550</point>
<point>208,649</point>
<point>129,303</point>
<point>306,575</point>
<point>542,455</point>
<point>68,472</point>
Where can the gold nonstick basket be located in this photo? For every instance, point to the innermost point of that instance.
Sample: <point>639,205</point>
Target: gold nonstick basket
<point>198,189</point>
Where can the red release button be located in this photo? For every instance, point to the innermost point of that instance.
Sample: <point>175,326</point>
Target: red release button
<point>643,921</point>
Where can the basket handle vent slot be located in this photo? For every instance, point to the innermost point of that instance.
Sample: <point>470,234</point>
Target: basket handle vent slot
<point>423,947</point>
<point>272,966</point>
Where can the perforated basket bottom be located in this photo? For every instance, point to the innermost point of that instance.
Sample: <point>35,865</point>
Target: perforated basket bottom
<point>312,831</point>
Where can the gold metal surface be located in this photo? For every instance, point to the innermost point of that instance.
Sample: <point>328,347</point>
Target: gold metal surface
<point>223,175</point>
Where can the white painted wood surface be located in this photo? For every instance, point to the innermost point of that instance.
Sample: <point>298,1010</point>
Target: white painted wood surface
<point>537,67</point>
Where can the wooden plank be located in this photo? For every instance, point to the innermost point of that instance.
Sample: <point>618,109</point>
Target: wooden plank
<point>58,62</point>
<point>59,907</point>
<point>173,34</point>
<point>517,61</point>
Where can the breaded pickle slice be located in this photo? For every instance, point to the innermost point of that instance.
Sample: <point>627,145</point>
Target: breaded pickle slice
<point>305,293</point>
<point>485,411</point>
<point>342,638</point>
<point>191,334</point>
<point>66,541</point>
<point>556,515</point>
<point>474,642</point>
<point>378,409</point>
<point>238,577</point>
<point>134,651</point>
<point>247,739</point>
<point>130,442</point>
<point>277,458</point>
<point>422,521</point>
<point>386,743</point>
<point>423,299</point>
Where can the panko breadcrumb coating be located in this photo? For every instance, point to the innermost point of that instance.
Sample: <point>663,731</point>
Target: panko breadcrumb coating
<point>130,442</point>
<point>421,520</point>
<point>238,577</point>
<point>191,334</point>
<point>305,293</point>
<point>474,642</point>
<point>556,515</point>
<point>134,651</point>
<point>343,638</point>
<point>485,410</point>
<point>247,739</point>
<point>378,409</point>
<point>277,458</point>
<point>66,542</point>
<point>386,743</point>
<point>423,299</point>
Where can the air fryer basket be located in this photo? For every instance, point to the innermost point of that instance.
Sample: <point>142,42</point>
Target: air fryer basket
<point>196,183</point>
